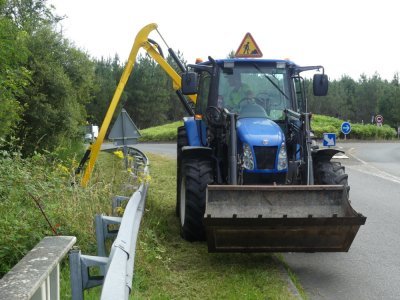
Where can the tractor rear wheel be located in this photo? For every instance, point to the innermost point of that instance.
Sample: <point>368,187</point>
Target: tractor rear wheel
<point>182,141</point>
<point>196,175</point>
<point>329,172</point>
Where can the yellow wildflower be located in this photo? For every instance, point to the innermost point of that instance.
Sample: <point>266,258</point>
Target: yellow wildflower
<point>119,210</point>
<point>119,154</point>
<point>63,169</point>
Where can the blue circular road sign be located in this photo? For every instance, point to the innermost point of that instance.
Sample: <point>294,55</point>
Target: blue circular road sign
<point>346,127</point>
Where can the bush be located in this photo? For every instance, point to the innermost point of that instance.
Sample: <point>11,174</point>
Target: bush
<point>324,124</point>
<point>42,180</point>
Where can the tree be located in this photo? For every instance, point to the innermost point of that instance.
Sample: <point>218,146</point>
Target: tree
<point>30,15</point>
<point>62,80</point>
<point>147,96</point>
<point>389,104</point>
<point>107,75</point>
<point>13,75</point>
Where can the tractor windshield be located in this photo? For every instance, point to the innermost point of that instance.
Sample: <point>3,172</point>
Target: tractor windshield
<point>254,91</point>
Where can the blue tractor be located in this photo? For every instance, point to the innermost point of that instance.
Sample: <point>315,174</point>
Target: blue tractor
<point>250,178</point>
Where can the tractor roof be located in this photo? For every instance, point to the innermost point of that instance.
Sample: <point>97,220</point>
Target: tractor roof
<point>255,60</point>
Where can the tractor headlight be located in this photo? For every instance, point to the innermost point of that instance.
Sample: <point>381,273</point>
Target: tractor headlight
<point>248,160</point>
<point>282,158</point>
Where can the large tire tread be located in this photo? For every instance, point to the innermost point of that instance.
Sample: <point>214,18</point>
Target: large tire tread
<point>328,172</point>
<point>198,174</point>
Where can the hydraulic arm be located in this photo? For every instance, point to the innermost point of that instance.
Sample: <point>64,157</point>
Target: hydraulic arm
<point>141,41</point>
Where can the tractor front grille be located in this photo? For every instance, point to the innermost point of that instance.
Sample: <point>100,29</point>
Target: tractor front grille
<point>265,157</point>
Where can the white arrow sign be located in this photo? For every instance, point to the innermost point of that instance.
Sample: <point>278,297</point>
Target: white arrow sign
<point>329,141</point>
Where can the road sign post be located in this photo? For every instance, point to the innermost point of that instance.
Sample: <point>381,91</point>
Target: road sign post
<point>345,128</point>
<point>329,140</point>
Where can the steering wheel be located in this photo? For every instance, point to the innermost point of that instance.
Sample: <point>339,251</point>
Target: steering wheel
<point>263,99</point>
<point>245,101</point>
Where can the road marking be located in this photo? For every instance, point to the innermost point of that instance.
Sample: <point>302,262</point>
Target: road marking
<point>340,156</point>
<point>369,169</point>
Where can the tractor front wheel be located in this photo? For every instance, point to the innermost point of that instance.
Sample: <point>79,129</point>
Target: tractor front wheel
<point>328,172</point>
<point>196,175</point>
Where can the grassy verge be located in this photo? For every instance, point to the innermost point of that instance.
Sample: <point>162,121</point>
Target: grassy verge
<point>42,180</point>
<point>162,133</point>
<point>167,267</point>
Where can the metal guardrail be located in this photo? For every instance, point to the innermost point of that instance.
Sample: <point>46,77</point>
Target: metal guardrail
<point>116,271</point>
<point>118,280</point>
<point>36,275</point>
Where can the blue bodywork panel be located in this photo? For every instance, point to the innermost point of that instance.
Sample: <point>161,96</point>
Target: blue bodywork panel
<point>260,132</point>
<point>196,131</point>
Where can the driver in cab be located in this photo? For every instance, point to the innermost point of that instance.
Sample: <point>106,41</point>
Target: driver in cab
<point>240,98</point>
<point>237,91</point>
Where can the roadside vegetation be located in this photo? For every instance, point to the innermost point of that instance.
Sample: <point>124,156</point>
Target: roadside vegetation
<point>166,266</point>
<point>41,187</point>
<point>320,125</point>
<point>162,133</point>
<point>324,124</point>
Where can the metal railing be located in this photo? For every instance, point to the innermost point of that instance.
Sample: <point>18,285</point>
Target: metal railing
<point>116,270</point>
<point>37,274</point>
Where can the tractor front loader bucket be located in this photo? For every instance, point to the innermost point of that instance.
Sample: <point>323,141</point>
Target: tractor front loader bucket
<point>313,218</point>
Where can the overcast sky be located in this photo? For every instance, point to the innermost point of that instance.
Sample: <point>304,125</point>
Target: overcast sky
<point>345,36</point>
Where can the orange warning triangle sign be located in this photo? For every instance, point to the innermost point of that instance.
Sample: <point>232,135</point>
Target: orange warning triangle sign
<point>248,47</point>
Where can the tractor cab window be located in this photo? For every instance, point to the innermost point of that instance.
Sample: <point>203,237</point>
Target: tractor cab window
<point>203,92</point>
<point>254,91</point>
<point>300,94</point>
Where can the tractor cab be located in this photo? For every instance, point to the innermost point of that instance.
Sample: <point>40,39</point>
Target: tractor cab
<point>255,95</point>
<point>254,90</point>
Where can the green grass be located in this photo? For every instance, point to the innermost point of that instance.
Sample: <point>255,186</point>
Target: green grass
<point>162,133</point>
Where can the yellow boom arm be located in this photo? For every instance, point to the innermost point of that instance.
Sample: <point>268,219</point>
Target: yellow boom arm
<point>141,41</point>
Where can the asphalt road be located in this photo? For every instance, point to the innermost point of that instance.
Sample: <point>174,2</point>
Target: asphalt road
<point>162,149</point>
<point>371,269</point>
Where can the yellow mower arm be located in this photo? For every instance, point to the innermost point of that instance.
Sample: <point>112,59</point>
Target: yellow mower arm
<point>141,41</point>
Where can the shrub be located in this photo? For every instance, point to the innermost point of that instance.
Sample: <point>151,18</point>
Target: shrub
<point>324,124</point>
<point>42,180</point>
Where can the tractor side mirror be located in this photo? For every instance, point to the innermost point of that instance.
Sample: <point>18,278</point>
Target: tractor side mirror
<point>189,83</point>
<point>320,84</point>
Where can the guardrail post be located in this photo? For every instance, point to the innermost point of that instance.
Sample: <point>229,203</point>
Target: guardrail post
<point>103,232</point>
<point>81,279</point>
<point>117,201</point>
<point>88,261</point>
<point>75,270</point>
